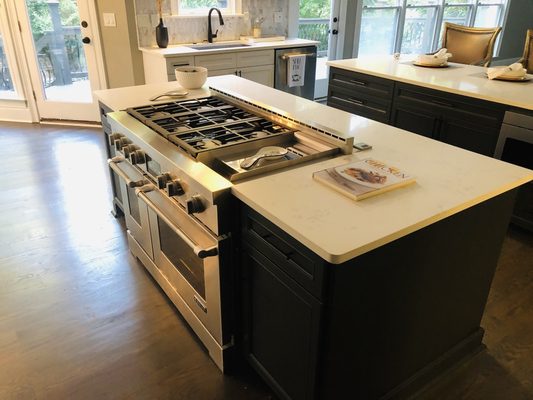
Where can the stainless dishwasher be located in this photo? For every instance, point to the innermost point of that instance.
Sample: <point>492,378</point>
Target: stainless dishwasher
<point>280,78</point>
<point>515,145</point>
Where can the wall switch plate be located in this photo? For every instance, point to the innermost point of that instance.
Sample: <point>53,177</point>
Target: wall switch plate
<point>278,17</point>
<point>109,19</point>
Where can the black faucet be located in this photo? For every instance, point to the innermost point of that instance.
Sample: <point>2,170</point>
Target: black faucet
<point>210,34</point>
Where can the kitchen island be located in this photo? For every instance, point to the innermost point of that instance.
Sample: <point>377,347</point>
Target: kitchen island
<point>456,104</point>
<point>372,298</point>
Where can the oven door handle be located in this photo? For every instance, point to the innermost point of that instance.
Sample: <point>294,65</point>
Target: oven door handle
<point>129,182</point>
<point>198,250</point>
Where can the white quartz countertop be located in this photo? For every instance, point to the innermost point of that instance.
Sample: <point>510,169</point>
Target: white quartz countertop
<point>448,179</point>
<point>462,79</point>
<point>132,96</point>
<point>184,50</point>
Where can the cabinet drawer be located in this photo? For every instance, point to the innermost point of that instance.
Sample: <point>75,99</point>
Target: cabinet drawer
<point>175,62</point>
<point>254,58</point>
<point>293,258</point>
<point>359,103</point>
<point>362,83</point>
<point>451,106</point>
<point>217,61</point>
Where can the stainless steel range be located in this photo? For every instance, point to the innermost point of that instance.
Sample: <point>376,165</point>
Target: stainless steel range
<point>176,162</point>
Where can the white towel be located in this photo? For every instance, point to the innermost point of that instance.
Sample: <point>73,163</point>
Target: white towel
<point>496,72</point>
<point>295,70</point>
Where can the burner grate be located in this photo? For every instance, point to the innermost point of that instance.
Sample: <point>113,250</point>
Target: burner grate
<point>198,125</point>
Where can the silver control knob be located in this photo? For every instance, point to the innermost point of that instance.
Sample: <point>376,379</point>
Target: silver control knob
<point>113,137</point>
<point>175,188</point>
<point>195,204</point>
<point>137,157</point>
<point>121,142</point>
<point>163,179</point>
<point>128,149</point>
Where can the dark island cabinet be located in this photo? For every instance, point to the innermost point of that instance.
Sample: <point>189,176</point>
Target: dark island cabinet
<point>465,122</point>
<point>461,121</point>
<point>360,94</point>
<point>379,326</point>
<point>282,309</point>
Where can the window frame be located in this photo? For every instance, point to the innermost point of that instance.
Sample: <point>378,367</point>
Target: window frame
<point>403,5</point>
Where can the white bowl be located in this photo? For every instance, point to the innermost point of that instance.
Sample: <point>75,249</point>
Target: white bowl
<point>191,77</point>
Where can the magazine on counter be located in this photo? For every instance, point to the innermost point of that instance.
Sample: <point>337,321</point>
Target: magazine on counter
<point>361,179</point>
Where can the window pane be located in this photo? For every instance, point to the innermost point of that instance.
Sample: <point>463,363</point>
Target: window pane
<point>378,31</point>
<point>59,51</point>
<point>424,2</point>
<point>488,16</point>
<point>380,3</point>
<point>418,30</point>
<point>6,83</point>
<point>195,4</point>
<point>457,14</point>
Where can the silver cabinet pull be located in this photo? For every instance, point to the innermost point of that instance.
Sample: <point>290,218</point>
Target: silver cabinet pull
<point>286,56</point>
<point>198,250</point>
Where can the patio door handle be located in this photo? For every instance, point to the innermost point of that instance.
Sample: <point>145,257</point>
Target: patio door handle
<point>334,32</point>
<point>86,40</point>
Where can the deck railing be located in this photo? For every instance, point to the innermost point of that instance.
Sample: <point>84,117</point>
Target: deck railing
<point>315,29</point>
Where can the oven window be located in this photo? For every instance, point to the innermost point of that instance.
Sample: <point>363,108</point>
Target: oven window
<point>134,205</point>
<point>182,257</point>
<point>116,185</point>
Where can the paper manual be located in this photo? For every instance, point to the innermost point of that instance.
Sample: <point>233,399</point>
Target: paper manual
<point>362,179</point>
<point>295,69</point>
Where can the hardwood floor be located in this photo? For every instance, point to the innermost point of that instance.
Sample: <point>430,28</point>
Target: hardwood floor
<point>81,319</point>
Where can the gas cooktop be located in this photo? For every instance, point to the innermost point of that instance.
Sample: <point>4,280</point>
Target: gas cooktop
<point>207,123</point>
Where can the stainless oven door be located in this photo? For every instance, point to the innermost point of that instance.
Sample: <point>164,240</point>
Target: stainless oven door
<point>187,254</point>
<point>135,211</point>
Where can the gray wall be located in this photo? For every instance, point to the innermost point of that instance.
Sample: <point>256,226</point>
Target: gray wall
<point>122,59</point>
<point>520,19</point>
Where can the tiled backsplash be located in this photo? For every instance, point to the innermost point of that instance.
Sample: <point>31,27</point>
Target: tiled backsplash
<point>190,29</point>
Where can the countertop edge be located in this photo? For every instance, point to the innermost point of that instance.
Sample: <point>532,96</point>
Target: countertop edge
<point>341,258</point>
<point>185,51</point>
<point>339,64</point>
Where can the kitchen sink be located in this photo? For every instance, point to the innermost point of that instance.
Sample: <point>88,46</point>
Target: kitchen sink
<point>212,46</point>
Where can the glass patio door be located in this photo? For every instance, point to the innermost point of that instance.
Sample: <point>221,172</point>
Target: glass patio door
<point>319,20</point>
<point>60,46</point>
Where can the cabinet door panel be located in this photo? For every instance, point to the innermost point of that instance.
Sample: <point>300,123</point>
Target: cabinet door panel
<point>262,74</point>
<point>413,120</point>
<point>281,328</point>
<point>469,136</point>
<point>255,58</point>
<point>218,72</point>
<point>216,61</point>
